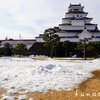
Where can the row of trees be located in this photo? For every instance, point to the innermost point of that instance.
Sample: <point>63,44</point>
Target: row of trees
<point>88,48</point>
<point>83,47</point>
<point>19,49</point>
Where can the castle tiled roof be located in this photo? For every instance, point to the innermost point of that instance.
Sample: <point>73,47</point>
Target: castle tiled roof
<point>75,5</point>
<point>85,24</point>
<point>77,12</point>
<point>78,31</point>
<point>80,18</point>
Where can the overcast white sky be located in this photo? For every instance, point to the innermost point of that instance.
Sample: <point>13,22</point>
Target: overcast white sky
<point>31,17</point>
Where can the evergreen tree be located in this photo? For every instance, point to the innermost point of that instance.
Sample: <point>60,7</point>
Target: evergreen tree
<point>20,49</point>
<point>82,44</point>
<point>67,47</point>
<point>7,49</point>
<point>93,49</point>
<point>51,39</point>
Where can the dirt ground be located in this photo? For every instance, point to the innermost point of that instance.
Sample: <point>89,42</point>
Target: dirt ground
<point>88,90</point>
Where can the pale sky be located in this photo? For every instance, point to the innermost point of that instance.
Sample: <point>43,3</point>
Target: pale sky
<point>31,17</point>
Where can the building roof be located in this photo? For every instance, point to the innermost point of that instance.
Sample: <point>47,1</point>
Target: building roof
<point>77,12</point>
<point>15,42</point>
<point>68,36</point>
<point>56,28</point>
<point>95,31</point>
<point>77,31</point>
<point>70,24</point>
<point>90,24</point>
<point>64,24</point>
<point>39,37</point>
<point>67,31</point>
<point>75,5</point>
<point>80,18</point>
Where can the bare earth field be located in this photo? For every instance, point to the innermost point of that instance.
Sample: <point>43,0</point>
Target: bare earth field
<point>88,90</point>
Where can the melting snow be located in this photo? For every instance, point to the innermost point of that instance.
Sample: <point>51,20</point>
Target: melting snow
<point>24,75</point>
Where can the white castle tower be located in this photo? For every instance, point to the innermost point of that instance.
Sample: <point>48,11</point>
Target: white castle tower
<point>75,26</point>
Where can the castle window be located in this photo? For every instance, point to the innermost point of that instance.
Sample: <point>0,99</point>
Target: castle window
<point>72,9</point>
<point>80,9</point>
<point>76,9</point>
<point>81,16</point>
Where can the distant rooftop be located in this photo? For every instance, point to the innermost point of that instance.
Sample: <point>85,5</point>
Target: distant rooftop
<point>73,18</point>
<point>75,4</point>
<point>17,41</point>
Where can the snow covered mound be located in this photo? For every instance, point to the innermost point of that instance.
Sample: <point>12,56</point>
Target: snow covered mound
<point>24,75</point>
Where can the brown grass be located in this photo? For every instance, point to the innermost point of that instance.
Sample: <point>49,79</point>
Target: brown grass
<point>2,91</point>
<point>72,58</point>
<point>89,87</point>
<point>41,58</point>
<point>68,58</point>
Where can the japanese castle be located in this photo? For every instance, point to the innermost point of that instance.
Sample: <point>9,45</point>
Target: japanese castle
<point>75,26</point>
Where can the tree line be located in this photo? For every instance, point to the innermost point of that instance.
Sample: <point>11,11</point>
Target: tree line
<point>8,50</point>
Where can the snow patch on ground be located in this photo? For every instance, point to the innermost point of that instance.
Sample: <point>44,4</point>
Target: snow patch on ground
<point>24,75</point>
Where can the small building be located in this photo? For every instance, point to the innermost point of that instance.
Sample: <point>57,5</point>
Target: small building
<point>75,26</point>
<point>27,42</point>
